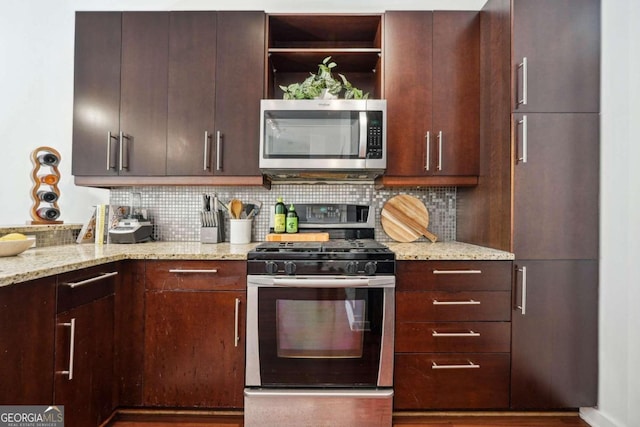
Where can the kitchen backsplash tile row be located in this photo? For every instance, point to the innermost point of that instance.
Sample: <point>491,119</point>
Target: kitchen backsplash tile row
<point>176,217</point>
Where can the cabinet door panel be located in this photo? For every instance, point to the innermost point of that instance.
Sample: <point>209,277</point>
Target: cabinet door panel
<point>191,359</point>
<point>454,275</point>
<point>143,113</point>
<point>453,306</point>
<point>456,93</point>
<point>192,72</point>
<point>458,337</point>
<point>408,75</point>
<point>556,208</point>
<point>26,345</point>
<point>96,92</point>
<point>240,85</point>
<point>554,343</point>
<point>561,41</point>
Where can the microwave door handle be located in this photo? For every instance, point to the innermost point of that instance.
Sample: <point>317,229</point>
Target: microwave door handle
<point>362,151</point>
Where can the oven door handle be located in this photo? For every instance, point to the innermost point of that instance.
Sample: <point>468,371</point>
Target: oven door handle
<point>321,283</point>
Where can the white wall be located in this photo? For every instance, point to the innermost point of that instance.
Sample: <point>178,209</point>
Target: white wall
<point>36,98</point>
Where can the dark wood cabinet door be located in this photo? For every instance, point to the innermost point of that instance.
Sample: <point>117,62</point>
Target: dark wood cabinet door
<point>143,108</point>
<point>455,136</point>
<point>192,358</point>
<point>191,92</point>
<point>408,76</point>
<point>96,104</point>
<point>239,88</point>
<point>27,316</point>
<point>555,340</point>
<point>561,41</point>
<point>86,393</point>
<point>556,203</point>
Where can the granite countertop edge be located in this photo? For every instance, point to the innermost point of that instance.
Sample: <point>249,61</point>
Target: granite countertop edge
<point>48,261</point>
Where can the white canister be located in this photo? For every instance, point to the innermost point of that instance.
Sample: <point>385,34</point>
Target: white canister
<point>240,231</point>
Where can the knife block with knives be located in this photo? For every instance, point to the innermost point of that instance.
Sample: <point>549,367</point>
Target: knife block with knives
<point>212,220</point>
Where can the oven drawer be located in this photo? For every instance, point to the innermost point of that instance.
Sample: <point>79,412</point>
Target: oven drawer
<point>196,275</point>
<point>451,381</point>
<point>453,306</point>
<point>459,337</point>
<point>454,275</point>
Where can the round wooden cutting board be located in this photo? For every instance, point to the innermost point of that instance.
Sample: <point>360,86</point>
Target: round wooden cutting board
<point>405,218</point>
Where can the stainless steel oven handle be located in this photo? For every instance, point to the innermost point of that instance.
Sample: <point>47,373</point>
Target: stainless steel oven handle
<point>321,283</point>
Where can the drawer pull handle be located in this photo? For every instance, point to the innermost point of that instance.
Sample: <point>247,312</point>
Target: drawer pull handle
<point>457,271</point>
<point>178,270</point>
<point>93,279</point>
<point>470,302</point>
<point>455,334</point>
<point>72,343</point>
<point>471,365</point>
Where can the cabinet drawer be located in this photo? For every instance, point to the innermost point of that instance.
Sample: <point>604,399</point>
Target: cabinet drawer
<point>451,381</point>
<point>458,337</point>
<point>83,286</point>
<point>454,275</point>
<point>196,275</point>
<point>453,306</point>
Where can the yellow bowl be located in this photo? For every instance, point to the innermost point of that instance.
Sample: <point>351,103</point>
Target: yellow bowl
<point>15,247</point>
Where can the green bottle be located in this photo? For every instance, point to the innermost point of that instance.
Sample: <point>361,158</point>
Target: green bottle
<point>292,220</point>
<point>279,219</point>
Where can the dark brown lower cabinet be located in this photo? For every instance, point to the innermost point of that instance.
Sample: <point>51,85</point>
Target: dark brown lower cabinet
<point>27,313</point>
<point>84,345</point>
<point>555,335</point>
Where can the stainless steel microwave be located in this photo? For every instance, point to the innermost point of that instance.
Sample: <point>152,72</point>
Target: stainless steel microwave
<point>323,139</point>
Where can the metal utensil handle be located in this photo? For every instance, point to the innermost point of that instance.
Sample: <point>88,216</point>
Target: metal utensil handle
<point>457,271</point>
<point>428,156</point>
<point>187,271</point>
<point>470,302</point>
<point>236,339</point>
<point>470,365</point>
<point>91,280</point>
<point>72,341</point>
<point>525,78</point>
<point>523,301</point>
<point>455,334</point>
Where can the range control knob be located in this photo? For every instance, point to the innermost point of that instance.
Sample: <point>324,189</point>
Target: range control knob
<point>352,267</point>
<point>370,268</point>
<point>290,268</point>
<point>271,267</point>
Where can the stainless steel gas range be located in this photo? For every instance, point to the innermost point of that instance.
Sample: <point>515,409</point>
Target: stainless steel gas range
<point>320,333</point>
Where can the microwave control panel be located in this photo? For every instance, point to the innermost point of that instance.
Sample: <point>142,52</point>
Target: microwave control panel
<point>374,134</point>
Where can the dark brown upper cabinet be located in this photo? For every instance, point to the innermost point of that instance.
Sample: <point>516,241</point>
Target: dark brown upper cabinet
<point>298,43</point>
<point>556,56</point>
<point>432,87</point>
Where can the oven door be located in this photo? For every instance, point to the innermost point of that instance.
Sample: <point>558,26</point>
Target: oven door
<point>320,331</point>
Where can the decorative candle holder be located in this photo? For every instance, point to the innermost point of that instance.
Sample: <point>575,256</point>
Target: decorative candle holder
<point>49,159</point>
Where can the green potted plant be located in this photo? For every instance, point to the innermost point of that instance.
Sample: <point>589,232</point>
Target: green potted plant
<point>323,85</point>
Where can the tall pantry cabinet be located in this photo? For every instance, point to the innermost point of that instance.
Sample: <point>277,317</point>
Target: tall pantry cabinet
<point>539,189</point>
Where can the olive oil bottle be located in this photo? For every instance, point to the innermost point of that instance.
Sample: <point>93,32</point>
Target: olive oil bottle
<point>292,220</point>
<point>279,219</point>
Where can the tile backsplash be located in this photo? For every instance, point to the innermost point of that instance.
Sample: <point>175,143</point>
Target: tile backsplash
<point>176,217</point>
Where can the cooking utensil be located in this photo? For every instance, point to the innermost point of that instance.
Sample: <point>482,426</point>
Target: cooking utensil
<point>405,218</point>
<point>235,207</point>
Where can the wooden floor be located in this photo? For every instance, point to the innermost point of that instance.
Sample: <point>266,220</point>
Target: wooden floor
<point>133,419</point>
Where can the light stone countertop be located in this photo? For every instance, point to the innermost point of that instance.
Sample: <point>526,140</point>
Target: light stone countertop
<point>41,262</point>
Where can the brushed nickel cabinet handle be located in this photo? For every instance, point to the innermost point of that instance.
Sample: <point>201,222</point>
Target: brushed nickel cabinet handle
<point>440,138</point>
<point>457,271</point>
<point>91,280</point>
<point>470,365</point>
<point>525,80</point>
<point>72,343</point>
<point>218,151</point>
<point>236,339</point>
<point>525,132</point>
<point>435,333</point>
<point>427,138</point>
<point>109,138</point>
<point>206,164</point>
<point>469,302</point>
<point>187,271</point>
<point>523,301</point>
<point>121,154</point>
